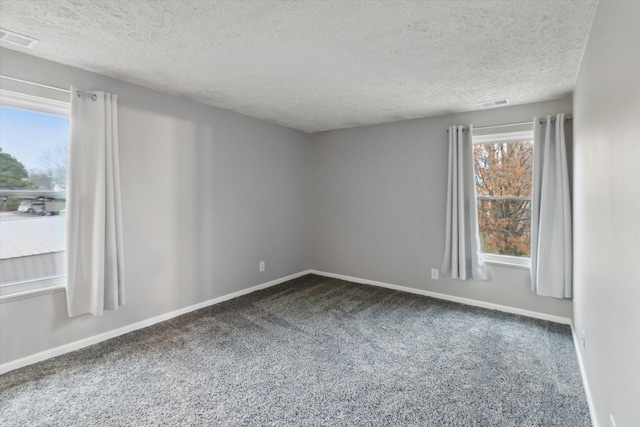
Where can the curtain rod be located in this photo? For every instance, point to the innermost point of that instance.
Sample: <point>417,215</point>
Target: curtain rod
<point>93,96</point>
<point>541,121</point>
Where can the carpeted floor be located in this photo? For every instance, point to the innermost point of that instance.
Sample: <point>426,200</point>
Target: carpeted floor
<point>311,352</point>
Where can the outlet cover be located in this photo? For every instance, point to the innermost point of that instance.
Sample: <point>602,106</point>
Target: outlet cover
<point>434,273</point>
<point>261,266</point>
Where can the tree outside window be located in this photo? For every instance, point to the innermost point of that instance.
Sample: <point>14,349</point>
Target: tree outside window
<point>503,177</point>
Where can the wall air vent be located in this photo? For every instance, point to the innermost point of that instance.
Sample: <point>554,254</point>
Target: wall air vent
<point>496,103</point>
<point>17,39</point>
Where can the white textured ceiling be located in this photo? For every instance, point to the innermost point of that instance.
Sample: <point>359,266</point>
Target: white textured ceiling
<point>319,65</point>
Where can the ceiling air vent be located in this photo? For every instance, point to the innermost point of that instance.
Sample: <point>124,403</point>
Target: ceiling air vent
<point>17,39</point>
<point>496,103</point>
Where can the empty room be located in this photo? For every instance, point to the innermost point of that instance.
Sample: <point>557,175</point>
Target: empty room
<point>319,213</point>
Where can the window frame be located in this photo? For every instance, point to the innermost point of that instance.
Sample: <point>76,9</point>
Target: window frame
<point>496,138</point>
<point>37,104</point>
<point>43,105</point>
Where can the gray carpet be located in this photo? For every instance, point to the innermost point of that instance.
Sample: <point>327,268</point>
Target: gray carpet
<point>310,352</point>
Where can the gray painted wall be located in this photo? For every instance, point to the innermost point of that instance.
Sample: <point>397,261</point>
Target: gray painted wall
<point>607,209</point>
<point>378,198</point>
<point>207,194</point>
<point>243,190</point>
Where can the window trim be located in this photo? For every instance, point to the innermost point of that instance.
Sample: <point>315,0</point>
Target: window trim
<point>30,288</point>
<point>37,104</point>
<point>497,138</point>
<point>507,261</point>
<point>33,103</point>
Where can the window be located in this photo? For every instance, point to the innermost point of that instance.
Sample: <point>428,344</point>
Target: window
<point>34,136</point>
<point>503,166</point>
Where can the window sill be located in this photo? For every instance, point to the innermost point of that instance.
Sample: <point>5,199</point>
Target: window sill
<point>32,288</point>
<point>507,261</point>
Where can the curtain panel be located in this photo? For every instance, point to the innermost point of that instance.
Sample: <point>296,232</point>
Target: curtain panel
<point>551,248</point>
<point>461,259</point>
<point>95,255</point>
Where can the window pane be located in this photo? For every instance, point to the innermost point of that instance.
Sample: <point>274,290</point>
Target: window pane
<point>504,171</point>
<point>505,227</point>
<point>33,166</point>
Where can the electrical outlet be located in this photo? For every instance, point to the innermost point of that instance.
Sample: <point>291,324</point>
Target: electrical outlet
<point>434,273</point>
<point>261,266</point>
<point>583,339</point>
<point>613,420</point>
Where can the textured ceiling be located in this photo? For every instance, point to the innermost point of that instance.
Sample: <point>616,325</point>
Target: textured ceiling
<point>319,65</point>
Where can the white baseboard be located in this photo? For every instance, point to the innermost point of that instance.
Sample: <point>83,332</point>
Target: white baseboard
<point>583,374</point>
<point>76,345</point>
<point>467,301</point>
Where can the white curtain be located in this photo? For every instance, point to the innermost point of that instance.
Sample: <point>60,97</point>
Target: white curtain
<point>550,211</point>
<point>95,259</point>
<point>461,258</point>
